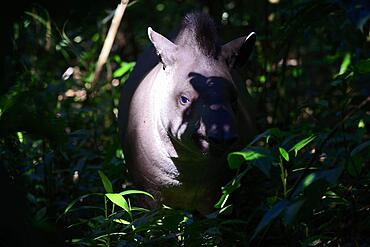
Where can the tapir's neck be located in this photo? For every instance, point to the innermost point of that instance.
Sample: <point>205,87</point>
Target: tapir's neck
<point>159,152</point>
<point>160,90</point>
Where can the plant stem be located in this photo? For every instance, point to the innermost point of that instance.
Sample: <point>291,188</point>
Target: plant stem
<point>283,176</point>
<point>106,217</point>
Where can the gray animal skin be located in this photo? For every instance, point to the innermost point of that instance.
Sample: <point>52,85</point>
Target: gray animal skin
<point>182,111</point>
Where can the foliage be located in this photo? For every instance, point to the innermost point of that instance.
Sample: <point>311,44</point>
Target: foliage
<point>303,180</point>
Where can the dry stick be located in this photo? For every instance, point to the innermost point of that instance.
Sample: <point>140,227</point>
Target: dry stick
<point>120,10</point>
<point>331,133</point>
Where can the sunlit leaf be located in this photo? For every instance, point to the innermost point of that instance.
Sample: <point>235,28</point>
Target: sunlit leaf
<point>345,63</point>
<point>329,176</point>
<point>138,209</point>
<point>226,210</point>
<point>130,192</point>
<point>123,69</point>
<point>20,137</point>
<point>284,153</point>
<point>122,221</point>
<point>221,202</point>
<point>118,200</point>
<point>301,144</point>
<point>107,184</point>
<point>110,234</point>
<point>229,188</point>
<point>236,159</point>
<point>361,124</point>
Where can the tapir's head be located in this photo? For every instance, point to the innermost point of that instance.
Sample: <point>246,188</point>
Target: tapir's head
<point>202,111</point>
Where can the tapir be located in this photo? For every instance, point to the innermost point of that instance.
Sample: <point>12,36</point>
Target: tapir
<point>182,110</point>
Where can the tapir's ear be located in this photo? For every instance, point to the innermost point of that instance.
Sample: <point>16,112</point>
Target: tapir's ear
<point>166,50</point>
<point>237,51</point>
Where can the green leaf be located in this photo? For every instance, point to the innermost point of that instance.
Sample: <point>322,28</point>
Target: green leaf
<point>38,18</point>
<point>20,136</point>
<point>359,148</point>
<point>345,63</point>
<point>284,153</point>
<point>122,221</point>
<point>275,132</point>
<point>361,124</point>
<point>363,67</point>
<point>236,159</point>
<point>123,69</point>
<point>140,209</point>
<point>329,176</point>
<point>107,184</point>
<point>110,234</point>
<point>301,144</point>
<point>291,211</point>
<point>119,201</point>
<point>130,192</point>
<point>229,188</point>
<point>221,202</point>
<point>226,210</point>
<point>355,166</point>
<point>79,199</point>
<point>269,216</point>
<point>256,156</point>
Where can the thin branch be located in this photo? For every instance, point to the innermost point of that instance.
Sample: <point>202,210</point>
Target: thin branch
<point>120,10</point>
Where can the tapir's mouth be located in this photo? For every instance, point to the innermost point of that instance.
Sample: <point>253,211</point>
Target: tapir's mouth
<point>203,146</point>
<point>202,142</point>
<point>206,146</point>
<point>197,146</point>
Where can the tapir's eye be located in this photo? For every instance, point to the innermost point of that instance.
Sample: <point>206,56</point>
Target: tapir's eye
<point>184,100</point>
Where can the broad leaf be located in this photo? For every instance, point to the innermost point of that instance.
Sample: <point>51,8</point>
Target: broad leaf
<point>291,211</point>
<point>269,216</point>
<point>330,176</point>
<point>360,147</point>
<point>107,184</point>
<point>236,159</point>
<point>256,156</point>
<point>118,200</point>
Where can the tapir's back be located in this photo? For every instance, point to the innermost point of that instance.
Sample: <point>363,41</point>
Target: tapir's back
<point>144,64</point>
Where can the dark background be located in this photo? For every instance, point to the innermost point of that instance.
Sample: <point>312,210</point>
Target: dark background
<point>308,75</point>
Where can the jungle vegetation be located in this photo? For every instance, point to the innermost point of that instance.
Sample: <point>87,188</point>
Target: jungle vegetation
<point>303,181</point>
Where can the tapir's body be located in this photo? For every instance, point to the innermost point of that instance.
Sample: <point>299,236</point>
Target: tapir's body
<point>181,114</point>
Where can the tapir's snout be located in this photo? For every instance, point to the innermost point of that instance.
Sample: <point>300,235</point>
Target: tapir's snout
<point>220,131</point>
<point>222,137</point>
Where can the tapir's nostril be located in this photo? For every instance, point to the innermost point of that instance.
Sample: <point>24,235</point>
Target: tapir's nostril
<point>223,141</point>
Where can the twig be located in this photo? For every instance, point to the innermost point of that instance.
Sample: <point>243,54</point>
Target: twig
<point>323,143</point>
<point>120,10</point>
